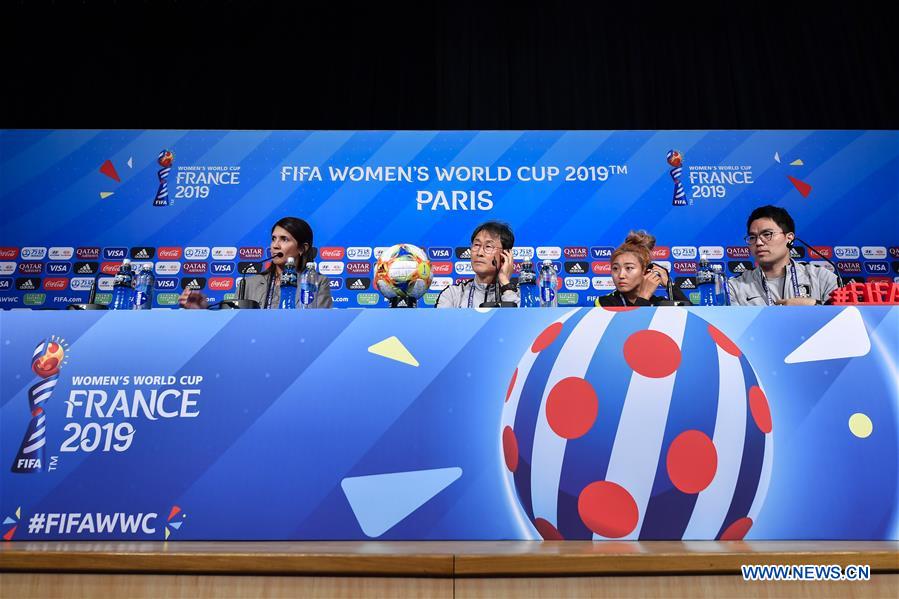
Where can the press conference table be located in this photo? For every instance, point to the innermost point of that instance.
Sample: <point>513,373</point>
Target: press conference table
<point>348,436</point>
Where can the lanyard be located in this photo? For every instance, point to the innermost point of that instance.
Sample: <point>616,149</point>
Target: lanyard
<point>471,294</point>
<point>791,269</point>
<point>271,289</point>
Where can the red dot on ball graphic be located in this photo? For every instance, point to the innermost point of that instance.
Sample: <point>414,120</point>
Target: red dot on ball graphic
<point>48,363</point>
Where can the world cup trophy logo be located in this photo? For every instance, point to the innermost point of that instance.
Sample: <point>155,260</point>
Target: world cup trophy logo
<point>676,159</point>
<point>165,160</point>
<point>46,361</point>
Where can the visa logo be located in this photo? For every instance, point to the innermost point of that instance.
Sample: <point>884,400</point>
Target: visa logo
<point>598,253</point>
<point>59,269</point>
<point>439,253</point>
<point>222,269</point>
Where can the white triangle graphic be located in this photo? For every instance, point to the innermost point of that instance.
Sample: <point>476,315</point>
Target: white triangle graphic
<point>843,337</point>
<point>380,501</point>
<point>777,157</point>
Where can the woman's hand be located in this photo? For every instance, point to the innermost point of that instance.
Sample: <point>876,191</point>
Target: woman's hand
<point>193,299</point>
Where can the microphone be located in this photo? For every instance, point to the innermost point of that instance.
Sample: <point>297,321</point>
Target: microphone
<point>241,303</point>
<point>91,299</point>
<point>836,270</point>
<point>669,289</point>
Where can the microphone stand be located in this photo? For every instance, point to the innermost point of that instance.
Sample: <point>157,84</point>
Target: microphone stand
<point>836,270</point>
<point>91,299</point>
<point>669,290</point>
<point>241,303</point>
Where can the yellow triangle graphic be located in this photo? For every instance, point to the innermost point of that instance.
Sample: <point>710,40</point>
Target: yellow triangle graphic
<point>393,349</point>
<point>18,513</point>
<point>797,162</point>
<point>105,194</point>
<point>166,533</point>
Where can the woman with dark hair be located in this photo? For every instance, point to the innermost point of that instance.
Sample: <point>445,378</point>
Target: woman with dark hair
<point>636,278</point>
<point>291,238</point>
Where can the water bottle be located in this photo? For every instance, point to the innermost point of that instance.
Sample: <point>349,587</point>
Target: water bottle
<point>143,288</point>
<point>722,296</point>
<point>308,286</point>
<point>705,281</point>
<point>548,297</point>
<point>527,286</point>
<point>288,285</point>
<point>121,290</point>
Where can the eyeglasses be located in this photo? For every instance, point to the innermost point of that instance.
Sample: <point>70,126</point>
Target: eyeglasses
<point>488,248</point>
<point>766,236</point>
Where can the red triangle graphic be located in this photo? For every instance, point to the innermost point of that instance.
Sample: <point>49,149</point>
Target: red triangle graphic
<point>10,533</point>
<point>109,170</point>
<point>173,513</point>
<point>801,186</point>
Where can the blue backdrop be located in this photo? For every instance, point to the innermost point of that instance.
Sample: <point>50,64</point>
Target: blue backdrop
<point>78,201</point>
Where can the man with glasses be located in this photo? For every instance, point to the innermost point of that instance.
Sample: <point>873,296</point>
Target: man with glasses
<point>491,261</point>
<point>778,279</point>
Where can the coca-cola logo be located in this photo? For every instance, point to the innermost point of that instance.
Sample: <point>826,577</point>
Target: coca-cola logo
<point>110,268</point>
<point>823,250</point>
<point>738,252</point>
<point>9,253</point>
<point>221,284</point>
<point>56,284</point>
<point>331,253</point>
<point>194,268</point>
<point>661,252</point>
<point>442,268</point>
<point>169,253</point>
<point>358,268</point>
<point>251,253</point>
<point>601,268</point>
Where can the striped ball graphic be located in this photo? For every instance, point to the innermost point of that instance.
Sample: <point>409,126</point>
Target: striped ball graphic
<point>637,424</point>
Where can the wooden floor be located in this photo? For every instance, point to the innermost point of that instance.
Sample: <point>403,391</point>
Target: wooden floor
<point>433,569</point>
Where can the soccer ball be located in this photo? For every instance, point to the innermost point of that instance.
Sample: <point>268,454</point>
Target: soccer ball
<point>632,424</point>
<point>403,271</point>
<point>675,158</point>
<point>165,158</point>
<point>47,359</point>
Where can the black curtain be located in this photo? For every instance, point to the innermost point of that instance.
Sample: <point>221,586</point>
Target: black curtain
<point>623,65</point>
